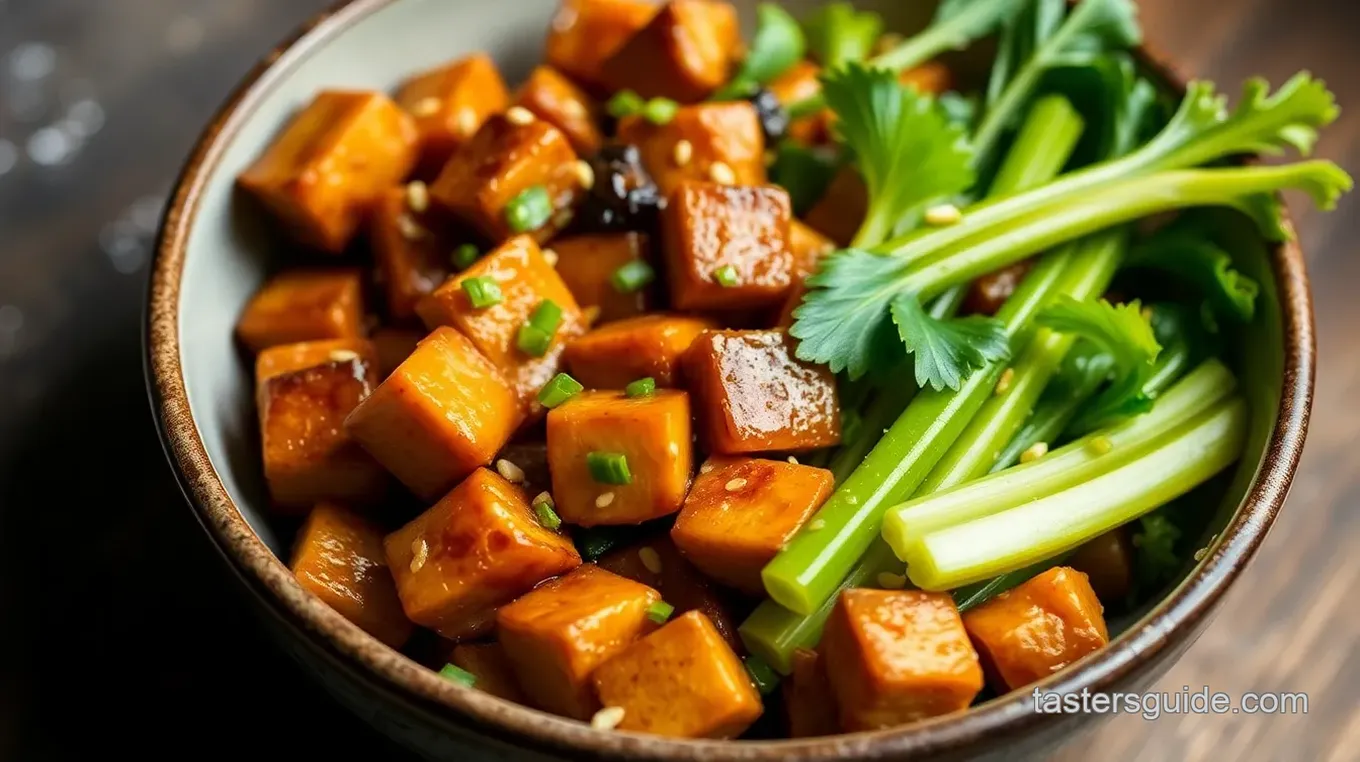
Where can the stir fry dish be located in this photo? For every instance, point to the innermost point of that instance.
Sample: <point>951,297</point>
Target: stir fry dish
<point>778,385</point>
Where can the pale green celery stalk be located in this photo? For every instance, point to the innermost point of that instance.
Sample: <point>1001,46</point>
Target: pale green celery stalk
<point>1091,264</point>
<point>1078,462</point>
<point>1030,532</point>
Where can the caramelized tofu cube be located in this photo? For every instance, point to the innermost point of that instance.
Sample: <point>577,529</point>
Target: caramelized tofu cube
<point>1036,629</point>
<point>657,564</point>
<point>615,355</point>
<point>475,550</point>
<point>808,703</point>
<point>585,33</point>
<point>727,248</point>
<point>898,656</point>
<point>798,83</point>
<point>483,182</point>
<point>450,104</point>
<point>681,681</point>
<point>442,413</point>
<point>930,78</point>
<point>987,294</point>
<point>490,668</point>
<point>1107,562</point>
<point>558,101</point>
<point>753,395</point>
<point>308,455</point>
<point>304,305</point>
<point>338,557</point>
<point>412,258</point>
<point>525,280</point>
<point>741,511</point>
<point>684,53</point>
<point>808,247</point>
<point>560,632</point>
<point>587,264</point>
<point>393,346</point>
<point>708,135</point>
<point>651,433</point>
<point>331,163</point>
<point>288,358</point>
<point>841,209</point>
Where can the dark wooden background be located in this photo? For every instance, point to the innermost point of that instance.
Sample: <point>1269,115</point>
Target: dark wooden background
<point>118,632</point>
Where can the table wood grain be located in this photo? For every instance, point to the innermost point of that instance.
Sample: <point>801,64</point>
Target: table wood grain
<point>119,630</point>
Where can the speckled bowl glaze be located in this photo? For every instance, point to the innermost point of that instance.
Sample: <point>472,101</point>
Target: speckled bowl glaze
<point>212,254</point>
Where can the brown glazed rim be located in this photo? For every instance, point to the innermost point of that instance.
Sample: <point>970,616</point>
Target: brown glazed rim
<point>1004,720</point>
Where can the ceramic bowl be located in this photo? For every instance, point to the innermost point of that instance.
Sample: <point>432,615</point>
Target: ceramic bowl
<point>213,252</point>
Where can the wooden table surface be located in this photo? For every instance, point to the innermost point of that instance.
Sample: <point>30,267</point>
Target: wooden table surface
<point>119,632</point>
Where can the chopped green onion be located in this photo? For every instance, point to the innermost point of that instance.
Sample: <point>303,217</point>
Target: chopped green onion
<point>464,256</point>
<point>530,210</point>
<point>561,388</point>
<point>660,611</point>
<point>726,276</point>
<point>660,110</point>
<point>632,277</point>
<point>457,674</point>
<point>765,678</point>
<point>532,340</point>
<point>609,467</point>
<point>643,387</point>
<point>482,292</point>
<point>543,511</point>
<point>546,316</point>
<point>625,103</point>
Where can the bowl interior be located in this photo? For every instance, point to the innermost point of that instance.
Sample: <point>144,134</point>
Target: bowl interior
<point>230,249</point>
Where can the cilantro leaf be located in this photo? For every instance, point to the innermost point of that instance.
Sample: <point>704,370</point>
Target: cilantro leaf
<point>947,351</point>
<point>837,33</point>
<point>1125,333</point>
<point>842,322</point>
<point>910,153</point>
<point>778,44</point>
<point>1190,255</point>
<point>1155,559</point>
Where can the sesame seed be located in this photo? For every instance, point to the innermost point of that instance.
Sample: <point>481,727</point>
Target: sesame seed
<point>735,484</point>
<point>591,314</point>
<point>719,172</point>
<point>417,196</point>
<point>574,109</point>
<point>542,497</point>
<point>1003,384</point>
<point>816,525</point>
<point>890,581</point>
<point>604,501</point>
<point>887,42</point>
<point>650,559</point>
<point>793,460</point>
<point>585,173</point>
<point>343,355</point>
<point>465,121</point>
<point>420,551</point>
<point>1201,553</point>
<point>410,229</point>
<point>519,115</point>
<point>607,718</point>
<point>944,214</point>
<point>1035,452</point>
<point>705,468</point>
<point>426,106</point>
<point>1146,312</point>
<point>550,256</point>
<point>683,152</point>
<point>510,471</point>
<point>1100,444</point>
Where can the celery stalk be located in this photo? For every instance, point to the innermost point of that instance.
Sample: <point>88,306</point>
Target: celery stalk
<point>1032,531</point>
<point>1076,463</point>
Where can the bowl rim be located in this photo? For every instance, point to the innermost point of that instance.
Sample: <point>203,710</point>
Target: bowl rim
<point>1005,719</point>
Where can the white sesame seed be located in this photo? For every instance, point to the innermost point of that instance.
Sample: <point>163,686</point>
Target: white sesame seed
<point>1035,452</point>
<point>1201,553</point>
<point>682,153</point>
<point>343,355</point>
<point>420,551</point>
<point>510,471</point>
<point>426,106</point>
<point>735,484</point>
<point>1003,384</point>
<point>591,314</point>
<point>1100,444</point>
<point>604,501</point>
<point>705,468</point>
<point>519,115</point>
<point>793,460</point>
<point>574,109</point>
<point>650,559</point>
<point>417,196</point>
<point>410,229</point>
<point>607,718</point>
<point>465,121</point>
<point>719,172</point>
<point>585,174</point>
<point>550,256</point>
<point>944,214</point>
<point>542,497</point>
<point>890,581</point>
<point>816,525</point>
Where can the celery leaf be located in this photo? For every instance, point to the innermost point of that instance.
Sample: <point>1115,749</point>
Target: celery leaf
<point>1193,257</point>
<point>842,322</point>
<point>1125,333</point>
<point>947,351</point>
